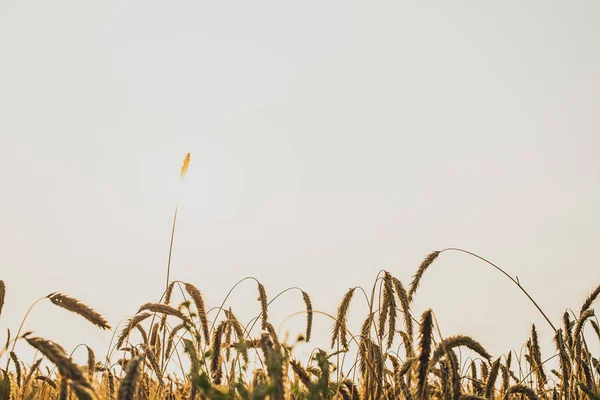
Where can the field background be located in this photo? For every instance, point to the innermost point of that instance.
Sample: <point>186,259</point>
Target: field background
<point>329,141</point>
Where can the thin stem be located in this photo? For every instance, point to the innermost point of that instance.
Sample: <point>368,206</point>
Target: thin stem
<point>171,245</point>
<point>21,327</point>
<point>516,282</point>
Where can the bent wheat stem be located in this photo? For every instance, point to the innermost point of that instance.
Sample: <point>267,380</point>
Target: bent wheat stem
<point>516,282</point>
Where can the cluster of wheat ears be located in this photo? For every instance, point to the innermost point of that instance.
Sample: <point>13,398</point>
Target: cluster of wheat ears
<point>191,352</point>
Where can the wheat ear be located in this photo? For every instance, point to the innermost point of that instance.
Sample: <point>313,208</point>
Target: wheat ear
<point>128,387</point>
<point>426,333</point>
<point>199,302</point>
<point>77,307</point>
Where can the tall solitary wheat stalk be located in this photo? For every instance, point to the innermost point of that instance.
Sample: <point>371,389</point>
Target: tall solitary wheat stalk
<point>184,169</point>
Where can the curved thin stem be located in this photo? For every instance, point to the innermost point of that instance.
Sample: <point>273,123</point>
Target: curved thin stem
<point>21,327</point>
<point>516,282</point>
<point>171,245</point>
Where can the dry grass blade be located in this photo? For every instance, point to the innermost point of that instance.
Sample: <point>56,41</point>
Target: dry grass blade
<point>309,314</point>
<point>262,297</point>
<point>57,355</point>
<point>455,341</point>
<point>128,387</point>
<point>339,329</point>
<point>426,333</point>
<point>77,307</point>
<point>417,277</point>
<point>200,306</point>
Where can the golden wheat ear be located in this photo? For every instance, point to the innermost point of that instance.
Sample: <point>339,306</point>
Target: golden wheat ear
<point>196,295</point>
<point>77,307</point>
<point>185,166</point>
<point>58,356</point>
<point>426,332</point>
<point>129,384</point>
<point>309,314</point>
<point>339,329</point>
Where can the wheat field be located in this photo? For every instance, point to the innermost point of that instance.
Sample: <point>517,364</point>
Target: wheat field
<point>177,348</point>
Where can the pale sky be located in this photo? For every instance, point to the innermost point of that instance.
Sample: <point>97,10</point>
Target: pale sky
<point>329,141</point>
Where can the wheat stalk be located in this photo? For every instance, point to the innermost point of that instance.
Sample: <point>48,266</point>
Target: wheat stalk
<point>216,359</point>
<point>588,302</point>
<point>388,310</point>
<point>184,169</point>
<point>491,381</point>
<point>301,373</point>
<point>128,387</point>
<point>520,389</point>
<point>262,297</point>
<point>339,329</point>
<point>199,302</point>
<point>133,323</point>
<point>451,342</point>
<point>164,309</point>
<point>419,274</point>
<point>77,307</point>
<point>57,355</point>
<point>309,314</point>
<point>426,333</point>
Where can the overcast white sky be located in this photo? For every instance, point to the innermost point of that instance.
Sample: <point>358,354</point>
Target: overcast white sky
<point>329,140</point>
